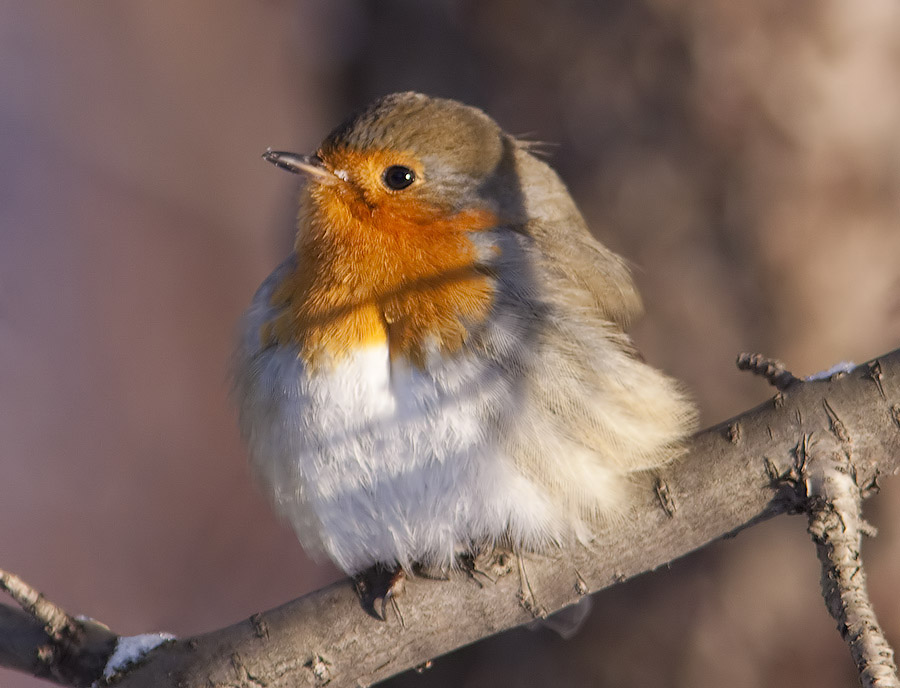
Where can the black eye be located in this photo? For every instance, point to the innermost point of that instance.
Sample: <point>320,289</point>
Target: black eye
<point>398,177</point>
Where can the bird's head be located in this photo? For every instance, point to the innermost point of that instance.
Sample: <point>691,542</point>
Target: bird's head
<point>385,244</point>
<point>410,158</point>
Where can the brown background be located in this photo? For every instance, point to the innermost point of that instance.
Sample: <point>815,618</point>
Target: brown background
<point>744,156</point>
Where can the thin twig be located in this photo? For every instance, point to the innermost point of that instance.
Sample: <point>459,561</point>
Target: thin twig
<point>47,641</point>
<point>58,625</point>
<point>770,368</point>
<point>836,526</point>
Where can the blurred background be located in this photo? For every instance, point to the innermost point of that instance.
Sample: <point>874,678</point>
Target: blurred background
<point>745,157</point>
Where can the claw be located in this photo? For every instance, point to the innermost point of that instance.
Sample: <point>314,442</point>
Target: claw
<point>380,583</point>
<point>391,595</point>
<point>526,594</point>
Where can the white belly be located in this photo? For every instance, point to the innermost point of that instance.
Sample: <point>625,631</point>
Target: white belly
<point>377,462</point>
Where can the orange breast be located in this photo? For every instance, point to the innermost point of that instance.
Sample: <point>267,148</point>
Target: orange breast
<point>401,273</point>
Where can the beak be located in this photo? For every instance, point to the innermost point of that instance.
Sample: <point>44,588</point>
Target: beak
<point>296,163</point>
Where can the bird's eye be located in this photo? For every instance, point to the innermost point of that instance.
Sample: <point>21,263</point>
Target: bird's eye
<point>397,177</point>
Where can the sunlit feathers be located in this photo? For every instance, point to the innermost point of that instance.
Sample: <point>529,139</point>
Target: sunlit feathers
<point>377,266</point>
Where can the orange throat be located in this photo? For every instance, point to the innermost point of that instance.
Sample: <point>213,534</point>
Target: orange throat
<point>399,274</point>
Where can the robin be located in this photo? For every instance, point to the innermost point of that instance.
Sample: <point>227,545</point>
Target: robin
<point>441,364</point>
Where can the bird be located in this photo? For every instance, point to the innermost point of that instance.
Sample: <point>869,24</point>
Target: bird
<point>441,364</point>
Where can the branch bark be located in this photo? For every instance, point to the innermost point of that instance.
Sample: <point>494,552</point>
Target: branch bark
<point>733,478</point>
<point>827,475</point>
<point>45,641</point>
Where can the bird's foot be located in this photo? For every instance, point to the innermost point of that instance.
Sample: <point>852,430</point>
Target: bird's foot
<point>526,594</point>
<point>489,563</point>
<point>383,583</point>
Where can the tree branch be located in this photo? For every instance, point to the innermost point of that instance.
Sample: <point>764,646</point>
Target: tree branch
<point>733,477</point>
<point>827,475</point>
<point>45,641</point>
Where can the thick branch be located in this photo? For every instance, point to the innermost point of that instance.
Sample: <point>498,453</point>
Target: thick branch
<point>732,478</point>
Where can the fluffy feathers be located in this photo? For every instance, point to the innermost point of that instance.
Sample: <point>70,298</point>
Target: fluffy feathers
<point>524,433</point>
